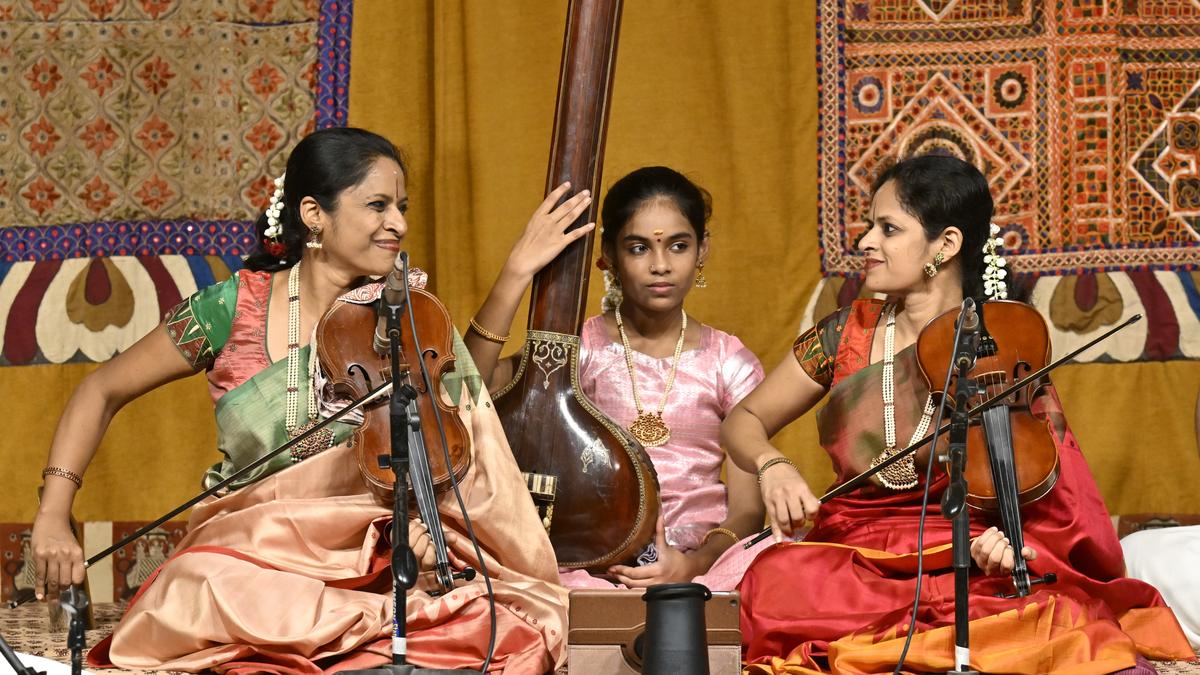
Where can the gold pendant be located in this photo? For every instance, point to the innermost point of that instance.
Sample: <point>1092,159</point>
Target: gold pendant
<point>650,430</point>
<point>318,442</point>
<point>901,475</point>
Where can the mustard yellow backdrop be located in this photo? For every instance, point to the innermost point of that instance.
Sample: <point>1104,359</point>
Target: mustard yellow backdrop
<point>723,91</point>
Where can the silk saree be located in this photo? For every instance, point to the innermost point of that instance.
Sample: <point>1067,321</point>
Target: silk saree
<point>840,601</point>
<point>290,571</point>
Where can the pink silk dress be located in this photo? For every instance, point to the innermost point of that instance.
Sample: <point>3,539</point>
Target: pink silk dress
<point>709,382</point>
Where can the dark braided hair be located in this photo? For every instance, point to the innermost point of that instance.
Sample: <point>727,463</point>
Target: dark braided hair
<point>322,165</point>
<point>942,191</point>
<point>635,190</point>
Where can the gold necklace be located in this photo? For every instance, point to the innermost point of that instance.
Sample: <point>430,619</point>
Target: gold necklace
<point>649,428</point>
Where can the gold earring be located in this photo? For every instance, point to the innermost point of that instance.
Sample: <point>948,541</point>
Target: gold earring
<point>931,268</point>
<point>314,238</point>
<point>701,280</point>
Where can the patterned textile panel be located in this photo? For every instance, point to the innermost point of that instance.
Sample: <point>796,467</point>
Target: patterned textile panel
<point>144,135</point>
<point>114,579</point>
<point>1084,115</point>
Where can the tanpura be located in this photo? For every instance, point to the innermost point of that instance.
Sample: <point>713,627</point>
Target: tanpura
<point>594,485</point>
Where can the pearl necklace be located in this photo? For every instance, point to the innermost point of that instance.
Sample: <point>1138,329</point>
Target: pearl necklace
<point>649,428</point>
<point>902,474</point>
<point>323,439</point>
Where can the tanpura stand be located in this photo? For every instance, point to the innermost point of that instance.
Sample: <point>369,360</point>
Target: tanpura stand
<point>593,484</point>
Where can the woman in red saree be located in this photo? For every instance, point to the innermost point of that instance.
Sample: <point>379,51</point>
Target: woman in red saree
<point>290,571</point>
<point>841,599</point>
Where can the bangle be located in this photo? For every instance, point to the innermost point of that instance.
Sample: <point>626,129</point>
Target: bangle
<point>63,473</point>
<point>720,530</point>
<point>487,334</point>
<point>772,462</point>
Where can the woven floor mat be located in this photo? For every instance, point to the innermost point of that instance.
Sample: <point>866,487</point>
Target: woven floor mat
<point>27,629</point>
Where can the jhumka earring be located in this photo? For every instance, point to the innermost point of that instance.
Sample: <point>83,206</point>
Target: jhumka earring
<point>314,238</point>
<point>931,268</point>
<point>701,280</point>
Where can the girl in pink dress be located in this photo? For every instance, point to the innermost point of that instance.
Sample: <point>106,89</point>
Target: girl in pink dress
<point>647,365</point>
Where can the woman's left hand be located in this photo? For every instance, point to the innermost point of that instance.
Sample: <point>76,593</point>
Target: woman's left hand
<point>672,566</point>
<point>421,544</point>
<point>545,235</point>
<point>994,553</point>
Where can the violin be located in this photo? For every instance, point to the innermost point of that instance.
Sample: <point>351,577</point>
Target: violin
<point>1024,389</point>
<point>345,339</point>
<point>439,448</point>
<point>1013,343</point>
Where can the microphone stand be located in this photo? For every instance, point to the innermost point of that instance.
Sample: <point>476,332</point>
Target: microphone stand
<point>954,499</point>
<point>404,561</point>
<point>75,603</point>
<point>405,431</point>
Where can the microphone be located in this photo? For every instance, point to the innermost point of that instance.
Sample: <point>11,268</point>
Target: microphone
<point>966,350</point>
<point>393,296</point>
<point>970,318</point>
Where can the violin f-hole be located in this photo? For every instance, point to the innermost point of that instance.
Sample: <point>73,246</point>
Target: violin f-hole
<point>362,372</point>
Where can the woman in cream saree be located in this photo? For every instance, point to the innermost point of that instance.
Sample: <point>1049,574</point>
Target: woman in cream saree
<point>289,572</point>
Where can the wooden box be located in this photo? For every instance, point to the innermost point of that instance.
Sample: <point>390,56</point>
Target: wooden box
<point>604,626</point>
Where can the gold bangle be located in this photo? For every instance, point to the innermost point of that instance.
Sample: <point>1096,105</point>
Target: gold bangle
<point>487,334</point>
<point>63,473</point>
<point>772,462</point>
<point>720,530</point>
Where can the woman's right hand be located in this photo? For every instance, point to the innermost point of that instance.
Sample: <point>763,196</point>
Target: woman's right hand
<point>57,556</point>
<point>788,499</point>
<point>544,236</point>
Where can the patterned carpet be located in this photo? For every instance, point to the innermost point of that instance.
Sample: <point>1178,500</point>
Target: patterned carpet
<point>27,630</point>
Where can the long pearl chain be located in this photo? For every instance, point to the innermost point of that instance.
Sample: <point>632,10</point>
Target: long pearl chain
<point>321,440</point>
<point>901,475</point>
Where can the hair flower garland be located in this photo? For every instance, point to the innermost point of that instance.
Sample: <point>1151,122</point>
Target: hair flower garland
<point>994,273</point>
<point>274,227</point>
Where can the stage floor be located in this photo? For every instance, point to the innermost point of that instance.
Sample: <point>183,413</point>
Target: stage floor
<point>27,630</point>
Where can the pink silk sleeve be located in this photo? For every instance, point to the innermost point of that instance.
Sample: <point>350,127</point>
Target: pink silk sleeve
<point>741,372</point>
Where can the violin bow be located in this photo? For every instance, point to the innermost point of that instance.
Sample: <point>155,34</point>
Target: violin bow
<point>861,478</point>
<point>381,390</point>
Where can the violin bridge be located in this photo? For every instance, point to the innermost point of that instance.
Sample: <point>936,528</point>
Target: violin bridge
<point>542,488</point>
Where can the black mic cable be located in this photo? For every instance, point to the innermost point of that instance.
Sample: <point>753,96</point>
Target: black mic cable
<point>937,427</point>
<point>402,259</point>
